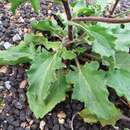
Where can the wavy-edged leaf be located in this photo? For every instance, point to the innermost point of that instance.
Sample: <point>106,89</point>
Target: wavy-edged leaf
<point>41,40</point>
<point>123,40</point>
<point>89,87</point>
<point>103,42</point>
<point>119,77</point>
<point>56,95</point>
<point>42,74</point>
<point>120,81</point>
<point>16,55</point>
<point>48,25</point>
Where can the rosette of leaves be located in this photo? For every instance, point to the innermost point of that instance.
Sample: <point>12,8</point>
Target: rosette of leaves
<point>55,68</point>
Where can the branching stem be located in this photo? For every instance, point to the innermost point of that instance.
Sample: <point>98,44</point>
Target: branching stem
<point>69,17</point>
<point>103,19</point>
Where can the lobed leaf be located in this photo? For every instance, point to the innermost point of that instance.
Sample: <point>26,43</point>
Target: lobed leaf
<point>103,42</point>
<point>90,88</point>
<point>119,77</point>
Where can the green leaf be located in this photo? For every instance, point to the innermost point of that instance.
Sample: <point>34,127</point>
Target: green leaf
<point>56,95</point>
<point>48,25</point>
<point>89,87</point>
<point>87,116</point>
<point>103,42</point>
<point>120,81</point>
<point>87,11</point>
<point>122,61</point>
<point>119,77</point>
<point>123,41</point>
<point>36,5</point>
<point>16,55</point>
<point>41,40</point>
<point>42,74</point>
<point>67,54</point>
<point>15,4</point>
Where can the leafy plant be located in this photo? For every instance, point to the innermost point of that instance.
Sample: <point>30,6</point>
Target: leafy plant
<point>60,61</point>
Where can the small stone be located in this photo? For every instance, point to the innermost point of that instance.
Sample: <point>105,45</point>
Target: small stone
<point>7,85</point>
<point>16,123</point>
<point>1,83</point>
<point>62,127</point>
<point>3,69</point>
<point>56,127</point>
<point>61,121</point>
<point>61,115</point>
<point>23,124</point>
<point>23,84</point>
<point>32,19</point>
<point>21,20</point>
<point>18,105</point>
<point>42,124</point>
<point>10,127</point>
<point>16,38</point>
<point>1,87</point>
<point>82,128</point>
<point>7,45</point>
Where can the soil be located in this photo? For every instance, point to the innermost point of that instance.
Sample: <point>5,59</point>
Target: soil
<point>14,110</point>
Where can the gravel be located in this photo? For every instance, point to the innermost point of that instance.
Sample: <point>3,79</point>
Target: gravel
<point>16,114</point>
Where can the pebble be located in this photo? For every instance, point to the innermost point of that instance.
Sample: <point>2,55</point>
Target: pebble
<point>42,125</point>
<point>61,115</point>
<point>7,85</point>
<point>1,87</point>
<point>56,127</point>
<point>3,69</point>
<point>16,38</point>
<point>7,45</point>
<point>10,127</point>
<point>21,20</point>
<point>23,84</point>
<point>61,121</point>
<point>18,105</point>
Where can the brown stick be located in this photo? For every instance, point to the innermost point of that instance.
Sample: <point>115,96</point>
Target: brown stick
<point>103,19</point>
<point>114,7</point>
<point>68,14</point>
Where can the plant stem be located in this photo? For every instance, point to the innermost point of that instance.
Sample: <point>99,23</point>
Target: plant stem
<point>69,17</point>
<point>103,19</point>
<point>113,8</point>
